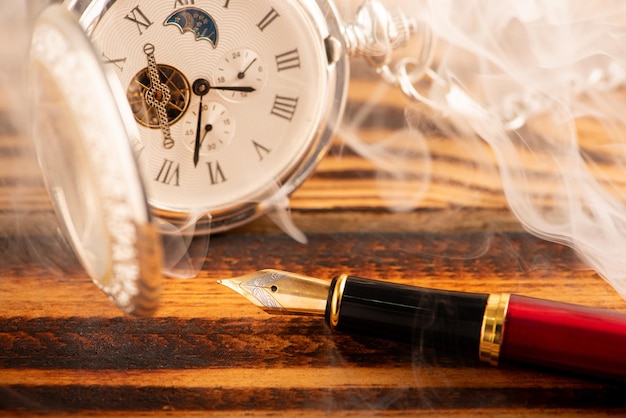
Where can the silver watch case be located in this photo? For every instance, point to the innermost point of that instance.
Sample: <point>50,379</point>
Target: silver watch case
<point>331,40</point>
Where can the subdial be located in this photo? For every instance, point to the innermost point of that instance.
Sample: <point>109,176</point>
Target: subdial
<point>241,67</point>
<point>217,127</point>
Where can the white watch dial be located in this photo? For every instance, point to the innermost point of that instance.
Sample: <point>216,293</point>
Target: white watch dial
<point>231,97</point>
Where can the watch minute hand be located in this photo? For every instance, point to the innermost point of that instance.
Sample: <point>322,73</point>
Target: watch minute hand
<point>198,143</point>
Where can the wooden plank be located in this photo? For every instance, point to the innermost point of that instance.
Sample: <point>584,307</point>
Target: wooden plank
<point>65,350</point>
<point>358,413</point>
<point>283,378</point>
<point>364,400</point>
<point>476,262</point>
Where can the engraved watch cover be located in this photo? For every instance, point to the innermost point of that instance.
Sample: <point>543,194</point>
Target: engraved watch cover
<point>84,150</point>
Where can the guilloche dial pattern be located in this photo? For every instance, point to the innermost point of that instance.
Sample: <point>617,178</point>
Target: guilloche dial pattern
<point>238,94</point>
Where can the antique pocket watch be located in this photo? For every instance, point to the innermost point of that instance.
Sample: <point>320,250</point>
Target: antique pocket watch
<point>235,101</point>
<point>227,105</point>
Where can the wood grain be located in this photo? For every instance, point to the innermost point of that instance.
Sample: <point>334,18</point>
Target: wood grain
<point>66,351</point>
<point>64,348</point>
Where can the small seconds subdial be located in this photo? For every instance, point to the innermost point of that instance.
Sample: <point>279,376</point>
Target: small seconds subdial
<point>216,126</point>
<point>241,67</point>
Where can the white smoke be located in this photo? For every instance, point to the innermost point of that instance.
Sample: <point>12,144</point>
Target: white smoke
<point>541,82</point>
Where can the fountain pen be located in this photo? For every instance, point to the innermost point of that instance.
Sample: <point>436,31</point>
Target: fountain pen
<point>495,328</point>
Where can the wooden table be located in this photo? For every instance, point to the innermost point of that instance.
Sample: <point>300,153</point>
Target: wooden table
<point>65,350</point>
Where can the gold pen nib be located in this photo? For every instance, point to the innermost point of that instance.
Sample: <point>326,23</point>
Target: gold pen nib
<point>280,292</point>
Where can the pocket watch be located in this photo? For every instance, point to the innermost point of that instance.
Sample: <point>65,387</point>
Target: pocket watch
<point>235,100</point>
<point>227,104</point>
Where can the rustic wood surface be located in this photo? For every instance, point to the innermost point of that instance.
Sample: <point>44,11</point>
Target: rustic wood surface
<point>65,350</point>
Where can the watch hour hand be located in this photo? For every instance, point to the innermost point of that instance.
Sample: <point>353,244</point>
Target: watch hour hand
<point>200,87</point>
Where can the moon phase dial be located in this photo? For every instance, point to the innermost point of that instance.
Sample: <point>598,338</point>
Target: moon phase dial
<point>217,127</point>
<point>142,95</point>
<point>241,67</point>
<point>196,21</point>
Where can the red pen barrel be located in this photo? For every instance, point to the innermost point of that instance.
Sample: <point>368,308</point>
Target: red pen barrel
<point>564,336</point>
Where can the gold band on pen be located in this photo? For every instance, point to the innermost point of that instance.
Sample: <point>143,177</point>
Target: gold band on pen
<point>492,327</point>
<point>335,302</point>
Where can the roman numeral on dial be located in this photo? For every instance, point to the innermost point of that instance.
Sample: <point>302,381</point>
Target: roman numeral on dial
<point>216,173</point>
<point>285,107</point>
<point>169,173</point>
<point>118,62</point>
<point>140,19</point>
<point>288,60</point>
<point>268,19</point>
<point>261,150</point>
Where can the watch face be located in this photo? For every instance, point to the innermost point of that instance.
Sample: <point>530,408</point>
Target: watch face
<point>233,99</point>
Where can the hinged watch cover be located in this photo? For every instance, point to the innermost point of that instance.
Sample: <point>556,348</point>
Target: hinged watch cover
<point>84,146</point>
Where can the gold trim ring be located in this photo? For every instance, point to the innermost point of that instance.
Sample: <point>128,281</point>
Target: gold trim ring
<point>493,327</point>
<point>335,302</point>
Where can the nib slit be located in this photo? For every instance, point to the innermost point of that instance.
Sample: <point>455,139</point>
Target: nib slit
<point>280,292</point>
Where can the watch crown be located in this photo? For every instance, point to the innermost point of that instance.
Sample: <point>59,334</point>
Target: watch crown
<point>377,32</point>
